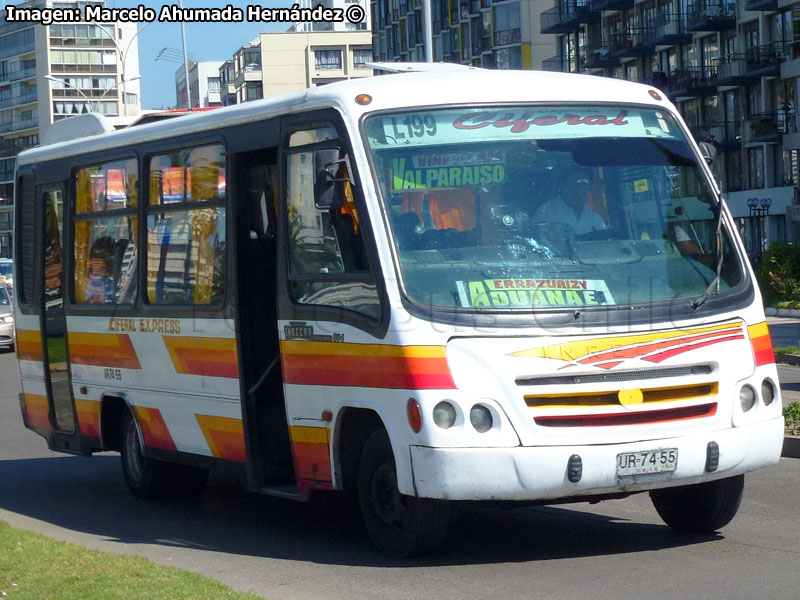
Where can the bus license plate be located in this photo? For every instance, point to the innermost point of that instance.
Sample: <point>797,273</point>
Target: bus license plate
<point>648,461</point>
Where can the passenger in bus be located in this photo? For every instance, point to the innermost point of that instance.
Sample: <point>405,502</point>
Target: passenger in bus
<point>571,205</point>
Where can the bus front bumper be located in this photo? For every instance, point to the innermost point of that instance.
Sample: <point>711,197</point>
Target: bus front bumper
<point>541,472</point>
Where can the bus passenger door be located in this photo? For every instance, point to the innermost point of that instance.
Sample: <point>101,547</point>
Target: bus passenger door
<point>54,327</point>
<point>270,458</point>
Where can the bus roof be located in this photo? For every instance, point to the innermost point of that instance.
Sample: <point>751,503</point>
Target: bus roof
<point>394,91</point>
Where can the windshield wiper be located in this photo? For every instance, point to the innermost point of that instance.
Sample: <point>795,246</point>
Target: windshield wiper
<point>719,256</point>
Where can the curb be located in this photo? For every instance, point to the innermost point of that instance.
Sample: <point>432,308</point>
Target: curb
<point>782,312</point>
<point>791,447</point>
<point>788,359</point>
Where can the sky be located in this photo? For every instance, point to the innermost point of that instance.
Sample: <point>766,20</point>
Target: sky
<point>204,41</point>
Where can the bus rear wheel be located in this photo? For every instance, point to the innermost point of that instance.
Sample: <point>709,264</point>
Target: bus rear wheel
<point>398,525</point>
<point>699,508</point>
<point>150,479</point>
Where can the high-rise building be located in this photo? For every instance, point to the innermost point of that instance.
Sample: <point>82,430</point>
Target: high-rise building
<point>52,72</point>
<point>732,69</point>
<point>276,63</point>
<point>204,84</point>
<point>484,33</point>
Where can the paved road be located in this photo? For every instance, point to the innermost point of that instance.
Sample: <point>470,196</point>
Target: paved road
<point>283,550</point>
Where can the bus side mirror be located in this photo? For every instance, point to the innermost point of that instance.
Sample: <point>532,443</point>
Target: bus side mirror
<point>708,151</point>
<point>328,169</point>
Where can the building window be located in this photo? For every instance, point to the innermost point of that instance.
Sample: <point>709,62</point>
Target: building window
<point>755,167</point>
<point>361,56</point>
<point>254,90</point>
<point>328,59</point>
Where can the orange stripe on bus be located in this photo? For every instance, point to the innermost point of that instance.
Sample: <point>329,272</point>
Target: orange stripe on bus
<point>761,343</point>
<point>225,436</point>
<point>29,344</point>
<point>38,410</point>
<point>103,350</point>
<point>311,447</point>
<point>365,365</point>
<point>88,417</point>
<point>215,357</point>
<point>154,429</point>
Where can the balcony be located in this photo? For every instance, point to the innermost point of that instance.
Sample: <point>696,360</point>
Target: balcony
<point>732,70</point>
<point>763,5</point>
<point>765,60</point>
<point>725,135</point>
<point>767,127</point>
<point>611,4</point>
<point>711,15</point>
<point>633,42</point>
<point>598,56</point>
<point>691,81</point>
<point>19,125</point>
<point>568,17</point>
<point>668,30</point>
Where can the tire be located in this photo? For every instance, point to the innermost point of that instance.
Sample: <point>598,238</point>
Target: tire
<point>398,525</point>
<point>699,508</point>
<point>150,479</point>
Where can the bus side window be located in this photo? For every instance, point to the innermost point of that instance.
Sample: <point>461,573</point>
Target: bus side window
<point>105,247</point>
<point>325,243</point>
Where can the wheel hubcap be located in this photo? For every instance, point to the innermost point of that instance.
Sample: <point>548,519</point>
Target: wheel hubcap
<point>387,502</point>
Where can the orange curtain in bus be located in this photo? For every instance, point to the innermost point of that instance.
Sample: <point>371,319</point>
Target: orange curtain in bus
<point>83,204</point>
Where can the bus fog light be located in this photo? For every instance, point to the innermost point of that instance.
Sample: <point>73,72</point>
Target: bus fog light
<point>767,391</point>
<point>444,415</point>
<point>747,397</point>
<point>481,418</point>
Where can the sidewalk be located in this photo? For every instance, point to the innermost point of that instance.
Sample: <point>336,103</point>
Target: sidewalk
<point>791,445</point>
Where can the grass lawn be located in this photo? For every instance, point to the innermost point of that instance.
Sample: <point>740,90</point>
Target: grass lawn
<point>33,567</point>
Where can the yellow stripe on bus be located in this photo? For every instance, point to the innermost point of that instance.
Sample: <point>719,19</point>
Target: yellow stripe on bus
<point>347,349</point>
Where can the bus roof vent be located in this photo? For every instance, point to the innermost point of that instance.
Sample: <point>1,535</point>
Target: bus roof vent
<point>419,67</point>
<point>76,127</point>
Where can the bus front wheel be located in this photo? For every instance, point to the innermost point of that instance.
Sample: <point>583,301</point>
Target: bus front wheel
<point>699,508</point>
<point>398,525</point>
<point>150,479</point>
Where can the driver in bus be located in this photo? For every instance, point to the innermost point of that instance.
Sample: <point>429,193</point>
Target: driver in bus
<point>571,205</point>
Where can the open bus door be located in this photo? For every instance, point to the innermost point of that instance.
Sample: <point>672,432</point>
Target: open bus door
<point>53,319</point>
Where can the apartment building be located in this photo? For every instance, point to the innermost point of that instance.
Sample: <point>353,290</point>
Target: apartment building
<point>52,72</point>
<point>204,84</point>
<point>499,34</point>
<point>731,67</point>
<point>281,62</point>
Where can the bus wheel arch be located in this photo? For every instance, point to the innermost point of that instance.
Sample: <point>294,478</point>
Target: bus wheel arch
<point>112,409</point>
<point>353,428</point>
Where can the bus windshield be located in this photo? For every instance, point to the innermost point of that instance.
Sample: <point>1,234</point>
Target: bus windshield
<point>547,207</point>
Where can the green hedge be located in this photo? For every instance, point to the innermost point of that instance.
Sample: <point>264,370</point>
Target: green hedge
<point>779,275</point>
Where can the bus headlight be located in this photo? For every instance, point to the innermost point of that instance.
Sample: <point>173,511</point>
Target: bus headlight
<point>767,391</point>
<point>444,414</point>
<point>747,397</point>
<point>481,418</point>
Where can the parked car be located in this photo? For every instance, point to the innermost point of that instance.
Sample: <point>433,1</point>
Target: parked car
<point>7,339</point>
<point>7,272</point>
